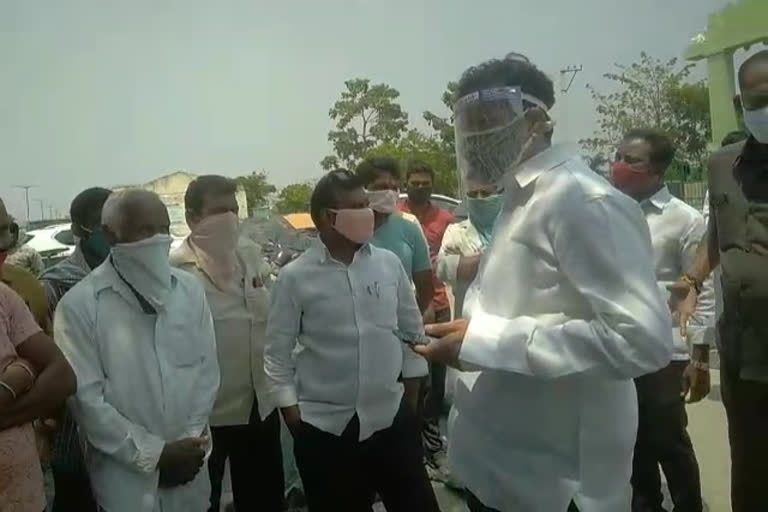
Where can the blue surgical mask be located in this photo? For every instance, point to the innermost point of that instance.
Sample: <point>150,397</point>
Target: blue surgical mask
<point>96,244</point>
<point>483,212</point>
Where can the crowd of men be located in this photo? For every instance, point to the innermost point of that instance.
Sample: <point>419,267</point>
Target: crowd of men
<point>572,371</point>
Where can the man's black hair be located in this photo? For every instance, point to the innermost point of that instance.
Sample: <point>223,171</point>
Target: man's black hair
<point>208,185</point>
<point>662,148</point>
<point>757,58</point>
<point>418,167</point>
<point>372,168</point>
<point>325,194</point>
<point>734,137</point>
<point>508,72</point>
<point>85,209</point>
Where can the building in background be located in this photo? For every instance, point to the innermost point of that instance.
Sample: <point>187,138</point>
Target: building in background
<point>171,189</point>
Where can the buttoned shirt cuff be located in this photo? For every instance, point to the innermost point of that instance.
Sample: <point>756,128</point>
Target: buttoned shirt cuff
<point>448,267</point>
<point>415,367</point>
<point>482,346</point>
<point>149,453</point>
<point>285,396</point>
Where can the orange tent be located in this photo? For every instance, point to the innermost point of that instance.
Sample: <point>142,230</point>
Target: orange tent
<point>299,220</point>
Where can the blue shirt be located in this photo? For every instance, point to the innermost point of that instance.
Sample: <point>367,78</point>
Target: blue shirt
<point>404,238</point>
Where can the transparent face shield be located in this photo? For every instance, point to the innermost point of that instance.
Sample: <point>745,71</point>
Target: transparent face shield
<point>492,133</point>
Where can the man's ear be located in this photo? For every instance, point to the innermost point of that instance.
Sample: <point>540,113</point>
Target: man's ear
<point>192,218</point>
<point>540,122</point>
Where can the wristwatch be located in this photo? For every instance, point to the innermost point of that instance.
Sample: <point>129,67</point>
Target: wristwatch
<point>692,282</point>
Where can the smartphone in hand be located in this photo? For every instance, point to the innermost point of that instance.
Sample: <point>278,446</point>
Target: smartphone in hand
<point>413,339</point>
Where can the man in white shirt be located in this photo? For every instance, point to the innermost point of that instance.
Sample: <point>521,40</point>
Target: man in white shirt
<point>140,338</point>
<point>334,362</point>
<point>233,272</point>
<point>563,314</point>
<point>676,229</point>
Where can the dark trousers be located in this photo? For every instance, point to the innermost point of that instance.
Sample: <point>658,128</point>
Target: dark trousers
<point>255,464</point>
<point>476,506</point>
<point>70,477</point>
<point>433,396</point>
<point>662,439</point>
<point>746,406</point>
<point>342,474</point>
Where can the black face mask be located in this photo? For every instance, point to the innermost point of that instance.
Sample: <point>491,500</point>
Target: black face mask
<point>419,195</point>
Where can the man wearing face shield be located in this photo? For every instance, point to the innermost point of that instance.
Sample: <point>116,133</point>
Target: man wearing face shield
<point>334,361</point>
<point>140,338</point>
<point>563,314</point>
<point>233,271</point>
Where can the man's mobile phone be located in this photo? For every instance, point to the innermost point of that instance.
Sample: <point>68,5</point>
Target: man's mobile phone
<point>413,339</point>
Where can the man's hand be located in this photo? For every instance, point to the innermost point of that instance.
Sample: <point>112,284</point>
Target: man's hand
<point>446,348</point>
<point>181,461</point>
<point>696,384</point>
<point>292,418</point>
<point>682,303</point>
<point>429,315</point>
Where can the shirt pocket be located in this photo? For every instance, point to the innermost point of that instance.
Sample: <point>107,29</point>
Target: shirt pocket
<point>380,303</point>
<point>181,344</point>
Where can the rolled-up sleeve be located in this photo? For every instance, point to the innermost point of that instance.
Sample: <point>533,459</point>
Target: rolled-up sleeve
<point>282,332</point>
<point>409,320</point>
<point>603,250</point>
<point>105,428</point>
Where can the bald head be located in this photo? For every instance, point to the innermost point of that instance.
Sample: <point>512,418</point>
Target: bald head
<point>133,215</point>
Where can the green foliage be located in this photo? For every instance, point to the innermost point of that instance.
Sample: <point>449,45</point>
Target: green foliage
<point>443,126</point>
<point>366,115</point>
<point>257,189</point>
<point>294,198</point>
<point>428,149</point>
<point>654,94</point>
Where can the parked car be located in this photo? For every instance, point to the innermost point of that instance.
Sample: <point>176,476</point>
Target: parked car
<point>52,242</point>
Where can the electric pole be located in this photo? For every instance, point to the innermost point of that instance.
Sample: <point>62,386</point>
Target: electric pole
<point>26,196</point>
<point>42,212</point>
<point>572,71</point>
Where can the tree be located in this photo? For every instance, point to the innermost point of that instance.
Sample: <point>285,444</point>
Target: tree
<point>443,126</point>
<point>257,189</point>
<point>294,198</point>
<point>366,115</point>
<point>654,94</point>
<point>428,149</point>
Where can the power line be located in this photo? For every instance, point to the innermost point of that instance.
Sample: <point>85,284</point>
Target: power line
<point>573,71</point>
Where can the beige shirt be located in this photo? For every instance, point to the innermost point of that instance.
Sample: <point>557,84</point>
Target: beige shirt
<point>240,321</point>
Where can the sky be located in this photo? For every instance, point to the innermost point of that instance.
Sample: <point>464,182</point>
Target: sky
<point>108,92</point>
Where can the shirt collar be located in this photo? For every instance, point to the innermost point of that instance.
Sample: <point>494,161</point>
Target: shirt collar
<point>660,199</point>
<point>324,255</point>
<point>531,169</point>
<point>183,254</point>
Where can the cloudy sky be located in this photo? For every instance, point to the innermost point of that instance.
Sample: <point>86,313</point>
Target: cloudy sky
<point>106,92</point>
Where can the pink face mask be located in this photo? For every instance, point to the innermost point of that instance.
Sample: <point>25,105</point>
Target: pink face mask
<point>354,224</point>
<point>214,240</point>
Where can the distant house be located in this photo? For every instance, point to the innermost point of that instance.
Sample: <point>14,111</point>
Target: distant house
<point>171,189</point>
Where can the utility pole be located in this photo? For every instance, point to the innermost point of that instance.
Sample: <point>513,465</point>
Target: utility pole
<point>572,71</point>
<point>42,212</point>
<point>26,196</point>
<point>50,212</point>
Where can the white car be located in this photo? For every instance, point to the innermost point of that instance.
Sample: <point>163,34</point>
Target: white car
<point>52,242</point>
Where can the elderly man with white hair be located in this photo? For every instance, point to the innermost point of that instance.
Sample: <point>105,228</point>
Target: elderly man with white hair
<point>140,338</point>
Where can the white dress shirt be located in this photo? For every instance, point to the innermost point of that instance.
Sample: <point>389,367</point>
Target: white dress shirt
<point>331,346</point>
<point>565,311</point>
<point>460,239</point>
<point>240,320</point>
<point>676,232</point>
<point>143,380</point>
